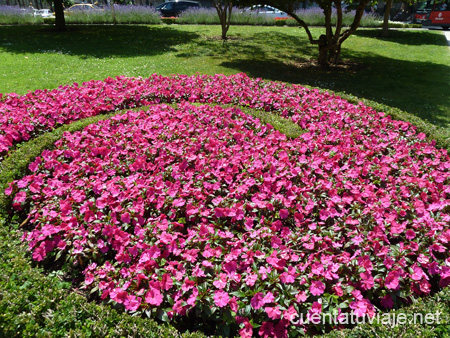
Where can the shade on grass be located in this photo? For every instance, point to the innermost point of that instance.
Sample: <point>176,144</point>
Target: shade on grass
<point>409,70</point>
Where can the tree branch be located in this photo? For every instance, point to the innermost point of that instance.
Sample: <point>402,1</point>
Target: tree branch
<point>356,21</point>
<point>305,26</point>
<point>337,33</point>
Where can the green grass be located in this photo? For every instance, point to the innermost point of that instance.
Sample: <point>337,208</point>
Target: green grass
<point>409,70</point>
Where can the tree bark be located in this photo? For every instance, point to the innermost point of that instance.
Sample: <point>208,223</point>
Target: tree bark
<point>113,13</point>
<point>60,22</point>
<point>387,14</point>
<point>323,51</point>
<point>224,12</point>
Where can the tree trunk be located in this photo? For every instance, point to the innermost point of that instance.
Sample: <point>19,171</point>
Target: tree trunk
<point>387,14</point>
<point>60,22</point>
<point>334,54</point>
<point>113,13</point>
<point>224,13</point>
<point>329,44</point>
<point>323,51</point>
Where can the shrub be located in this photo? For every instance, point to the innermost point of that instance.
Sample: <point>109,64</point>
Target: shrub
<point>125,14</point>
<point>14,15</point>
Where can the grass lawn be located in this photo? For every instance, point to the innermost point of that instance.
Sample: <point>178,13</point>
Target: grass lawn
<point>409,70</point>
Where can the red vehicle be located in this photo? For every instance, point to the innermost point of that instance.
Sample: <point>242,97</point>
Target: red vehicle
<point>422,10</point>
<point>439,14</point>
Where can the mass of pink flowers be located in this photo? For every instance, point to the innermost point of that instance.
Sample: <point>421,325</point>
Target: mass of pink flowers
<point>201,211</point>
<point>25,117</point>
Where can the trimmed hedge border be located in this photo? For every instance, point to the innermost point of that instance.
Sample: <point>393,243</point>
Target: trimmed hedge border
<point>34,304</point>
<point>438,134</point>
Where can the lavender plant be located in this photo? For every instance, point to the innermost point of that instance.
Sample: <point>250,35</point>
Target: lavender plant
<point>14,15</point>
<point>129,14</point>
<point>312,16</point>
<point>124,15</point>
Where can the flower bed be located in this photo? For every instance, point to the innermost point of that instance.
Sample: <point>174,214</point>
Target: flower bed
<point>202,212</point>
<point>24,117</point>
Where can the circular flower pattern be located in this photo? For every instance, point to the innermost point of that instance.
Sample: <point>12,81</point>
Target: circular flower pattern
<point>202,211</point>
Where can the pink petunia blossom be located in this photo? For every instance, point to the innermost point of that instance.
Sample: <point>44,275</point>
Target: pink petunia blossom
<point>257,300</point>
<point>392,282</point>
<point>132,303</point>
<point>290,314</point>
<point>387,302</point>
<point>273,312</point>
<point>317,288</point>
<point>221,298</point>
<point>153,297</point>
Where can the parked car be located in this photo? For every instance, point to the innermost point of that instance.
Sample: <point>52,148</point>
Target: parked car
<point>268,11</point>
<point>81,7</point>
<point>174,8</point>
<point>45,13</point>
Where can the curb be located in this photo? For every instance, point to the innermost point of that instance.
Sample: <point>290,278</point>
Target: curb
<point>447,36</point>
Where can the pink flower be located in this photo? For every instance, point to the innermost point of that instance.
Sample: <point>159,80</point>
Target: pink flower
<point>20,197</point>
<point>290,314</point>
<point>424,286</point>
<point>359,308</point>
<point>166,282</point>
<point>257,301</point>
<point>273,312</point>
<point>284,213</point>
<point>221,298</point>
<point>266,330</point>
<point>316,307</point>
<point>153,297</point>
<point>39,253</point>
<point>118,295</point>
<point>410,234</point>
<point>268,298</point>
<point>247,330</point>
<point>418,273</point>
<point>221,282</point>
<point>179,202</point>
<point>317,288</point>
<point>387,302</point>
<point>251,279</point>
<point>391,281</point>
<point>233,304</point>
<point>301,297</point>
<point>367,280</point>
<point>125,217</point>
<point>132,303</point>
<point>89,279</point>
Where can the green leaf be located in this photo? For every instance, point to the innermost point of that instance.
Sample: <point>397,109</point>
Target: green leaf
<point>239,294</point>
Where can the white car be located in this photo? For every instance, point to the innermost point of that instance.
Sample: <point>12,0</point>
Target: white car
<point>267,11</point>
<point>45,13</point>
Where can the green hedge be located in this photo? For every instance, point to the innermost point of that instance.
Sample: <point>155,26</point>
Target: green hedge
<point>16,165</point>
<point>36,303</point>
<point>433,132</point>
